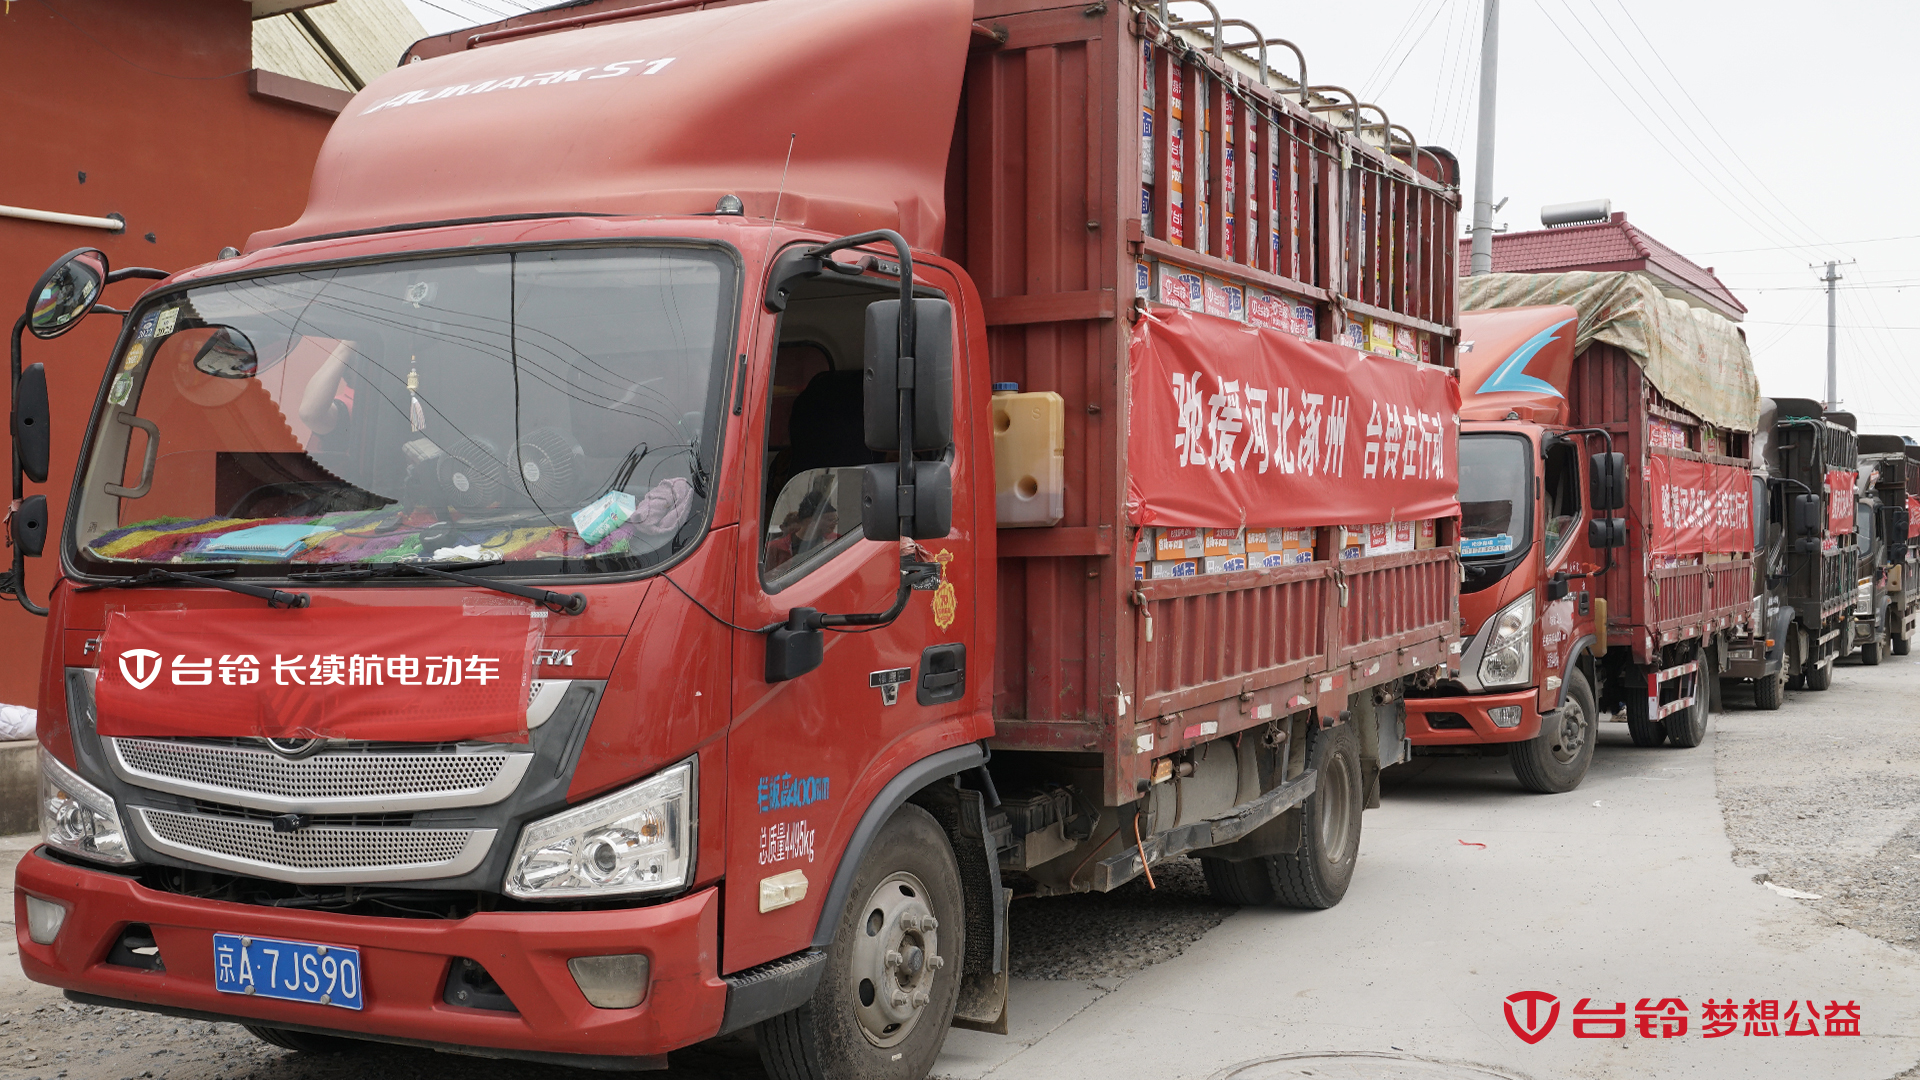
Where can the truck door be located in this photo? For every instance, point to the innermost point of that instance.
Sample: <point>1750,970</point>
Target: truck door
<point>1562,512</point>
<point>806,756</point>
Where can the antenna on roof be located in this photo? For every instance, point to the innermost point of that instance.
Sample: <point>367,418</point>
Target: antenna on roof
<point>778,195</point>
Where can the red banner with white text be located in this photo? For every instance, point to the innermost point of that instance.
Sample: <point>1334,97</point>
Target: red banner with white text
<point>1698,507</point>
<point>1913,517</point>
<point>411,674</point>
<point>1231,424</point>
<point>1839,502</point>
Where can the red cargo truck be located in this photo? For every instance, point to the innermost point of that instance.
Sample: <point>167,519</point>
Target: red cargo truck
<point>548,602</point>
<point>1570,607</point>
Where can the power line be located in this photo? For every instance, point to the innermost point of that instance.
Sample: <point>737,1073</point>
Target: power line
<point>1411,46</point>
<point>1792,247</point>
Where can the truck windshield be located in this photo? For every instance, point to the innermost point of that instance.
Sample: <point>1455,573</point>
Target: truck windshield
<point>1496,503</point>
<point>551,409</point>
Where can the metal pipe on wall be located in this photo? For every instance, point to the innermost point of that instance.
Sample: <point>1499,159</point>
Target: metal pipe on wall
<point>56,218</point>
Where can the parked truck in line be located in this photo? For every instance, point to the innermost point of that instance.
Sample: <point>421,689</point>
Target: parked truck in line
<point>1889,484</point>
<point>1815,466</point>
<point>1756,652</point>
<point>549,601</point>
<point>1605,527</point>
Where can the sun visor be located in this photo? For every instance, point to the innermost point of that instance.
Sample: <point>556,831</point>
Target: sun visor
<point>663,116</point>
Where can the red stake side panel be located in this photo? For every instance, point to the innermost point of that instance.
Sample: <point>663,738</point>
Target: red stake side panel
<point>1061,196</point>
<point>1650,604</point>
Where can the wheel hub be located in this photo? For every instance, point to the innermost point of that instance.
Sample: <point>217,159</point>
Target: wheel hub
<point>1573,732</point>
<point>896,955</point>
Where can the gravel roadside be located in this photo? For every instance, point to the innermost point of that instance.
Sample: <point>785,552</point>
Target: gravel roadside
<point>1823,796</point>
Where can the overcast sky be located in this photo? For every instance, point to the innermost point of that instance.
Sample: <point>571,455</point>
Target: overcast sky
<point>1755,137</point>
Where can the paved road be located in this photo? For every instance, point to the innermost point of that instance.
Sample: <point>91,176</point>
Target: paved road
<point>1640,884</point>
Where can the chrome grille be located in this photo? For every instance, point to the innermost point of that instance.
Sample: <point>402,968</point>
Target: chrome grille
<point>348,780</point>
<point>318,854</point>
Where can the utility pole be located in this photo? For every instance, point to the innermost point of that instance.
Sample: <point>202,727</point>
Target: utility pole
<point>1481,258</point>
<point>1833,389</point>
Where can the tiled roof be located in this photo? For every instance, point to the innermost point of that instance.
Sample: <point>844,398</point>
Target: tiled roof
<point>1614,244</point>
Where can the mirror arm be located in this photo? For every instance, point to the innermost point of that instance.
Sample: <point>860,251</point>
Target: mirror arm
<point>136,272</point>
<point>15,580</point>
<point>13,394</point>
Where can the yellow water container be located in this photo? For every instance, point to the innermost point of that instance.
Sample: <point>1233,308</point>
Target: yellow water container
<point>1029,457</point>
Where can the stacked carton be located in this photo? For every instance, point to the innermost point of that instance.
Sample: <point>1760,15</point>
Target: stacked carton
<point>1166,552</point>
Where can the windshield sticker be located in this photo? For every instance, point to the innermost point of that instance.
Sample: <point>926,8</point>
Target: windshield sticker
<point>122,389</point>
<point>165,323</point>
<point>513,82</point>
<point>135,353</point>
<point>146,325</point>
<point>1486,545</point>
<point>789,791</point>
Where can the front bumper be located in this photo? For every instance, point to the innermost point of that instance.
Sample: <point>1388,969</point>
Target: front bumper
<point>1423,714</point>
<point>405,964</point>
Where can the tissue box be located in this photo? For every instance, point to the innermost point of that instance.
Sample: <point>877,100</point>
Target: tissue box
<point>603,515</point>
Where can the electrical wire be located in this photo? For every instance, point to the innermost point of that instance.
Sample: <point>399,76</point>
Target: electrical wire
<point>1142,849</point>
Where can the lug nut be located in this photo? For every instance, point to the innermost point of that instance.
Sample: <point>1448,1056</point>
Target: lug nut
<point>936,961</point>
<point>920,999</point>
<point>893,959</point>
<point>909,923</point>
<point>898,999</point>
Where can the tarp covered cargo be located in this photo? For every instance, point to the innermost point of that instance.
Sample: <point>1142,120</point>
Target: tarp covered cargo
<point>1697,358</point>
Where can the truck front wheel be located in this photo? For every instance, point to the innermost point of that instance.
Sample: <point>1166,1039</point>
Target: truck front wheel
<point>1317,875</point>
<point>883,1007</point>
<point>1870,653</point>
<point>1901,645</point>
<point>1769,690</point>
<point>1556,760</point>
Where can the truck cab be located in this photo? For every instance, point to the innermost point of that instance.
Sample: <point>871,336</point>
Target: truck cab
<point>1536,497</point>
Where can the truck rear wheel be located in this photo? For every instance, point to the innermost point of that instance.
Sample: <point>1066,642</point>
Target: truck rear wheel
<point>883,1007</point>
<point>1820,676</point>
<point>1556,760</point>
<point>1687,727</point>
<point>1316,876</point>
<point>1769,691</point>
<point>1645,730</point>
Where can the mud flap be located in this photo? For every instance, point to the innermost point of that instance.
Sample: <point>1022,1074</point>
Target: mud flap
<point>983,994</point>
<point>982,1005</point>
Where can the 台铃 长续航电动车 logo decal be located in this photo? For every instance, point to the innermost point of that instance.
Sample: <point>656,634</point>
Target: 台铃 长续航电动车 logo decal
<point>143,669</point>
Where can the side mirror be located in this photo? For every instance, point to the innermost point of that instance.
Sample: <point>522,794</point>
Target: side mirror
<point>932,375</point>
<point>227,354</point>
<point>1607,480</point>
<point>66,292</point>
<point>1557,587</point>
<point>30,525</point>
<point>932,501</point>
<point>1603,533</point>
<point>796,648</point>
<point>1809,517</point>
<point>32,435</point>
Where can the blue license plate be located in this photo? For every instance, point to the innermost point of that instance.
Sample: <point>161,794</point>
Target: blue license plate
<point>288,970</point>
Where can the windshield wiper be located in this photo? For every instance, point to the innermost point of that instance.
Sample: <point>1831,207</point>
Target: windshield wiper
<point>156,576</point>
<point>563,603</point>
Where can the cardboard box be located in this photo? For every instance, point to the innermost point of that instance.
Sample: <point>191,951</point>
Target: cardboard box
<point>1352,541</point>
<point>1426,535</point>
<point>1140,570</point>
<point>1143,545</point>
<point>1268,559</point>
<point>1225,564</point>
<point>1174,568</point>
<point>1403,536</point>
<point>1223,542</point>
<point>1178,544</point>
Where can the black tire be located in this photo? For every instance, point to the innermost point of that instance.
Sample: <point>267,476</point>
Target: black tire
<point>846,1031</point>
<point>1645,730</point>
<point>1820,676</point>
<point>1769,693</point>
<point>1686,728</point>
<point>1901,646</point>
<point>1556,760</point>
<point>302,1042</point>
<point>1317,876</point>
<point>1870,653</point>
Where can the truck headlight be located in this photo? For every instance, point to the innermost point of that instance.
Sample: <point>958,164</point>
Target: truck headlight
<point>1863,597</point>
<point>1508,660</point>
<point>636,840</point>
<point>77,817</point>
